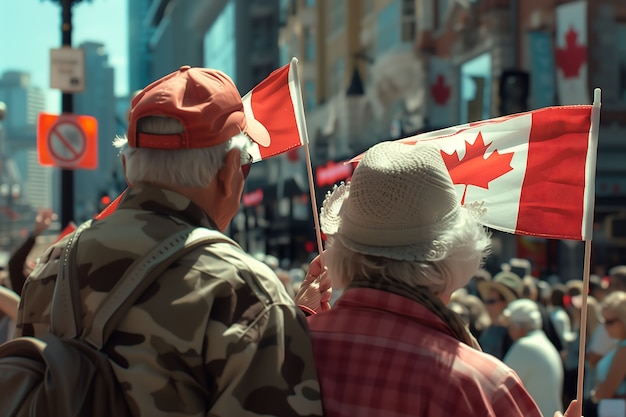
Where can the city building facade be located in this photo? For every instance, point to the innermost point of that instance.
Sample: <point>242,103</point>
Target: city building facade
<point>376,70</point>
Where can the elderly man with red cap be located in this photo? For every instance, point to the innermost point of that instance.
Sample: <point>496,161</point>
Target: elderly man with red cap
<point>215,333</point>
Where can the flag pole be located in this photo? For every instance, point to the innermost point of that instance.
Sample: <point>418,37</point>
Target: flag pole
<point>589,202</point>
<point>301,122</point>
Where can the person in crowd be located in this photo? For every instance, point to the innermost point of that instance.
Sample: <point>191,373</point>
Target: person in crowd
<point>530,290</point>
<point>9,303</point>
<point>601,341</point>
<point>570,380</point>
<point>477,312</point>
<point>597,287</point>
<point>533,356</point>
<point>216,333</point>
<point>481,275</point>
<point>399,244</point>
<point>611,368</point>
<point>559,317</point>
<point>505,288</point>
<point>19,265</point>
<point>617,278</point>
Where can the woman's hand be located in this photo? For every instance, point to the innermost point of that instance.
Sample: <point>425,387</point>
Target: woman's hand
<point>315,290</point>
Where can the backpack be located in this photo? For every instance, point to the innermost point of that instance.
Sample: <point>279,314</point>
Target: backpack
<point>64,373</point>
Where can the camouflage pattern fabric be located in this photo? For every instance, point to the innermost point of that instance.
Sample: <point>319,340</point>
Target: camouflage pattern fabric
<point>215,335</point>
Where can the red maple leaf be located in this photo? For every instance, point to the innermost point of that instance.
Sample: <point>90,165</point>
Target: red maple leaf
<point>440,91</point>
<point>573,56</point>
<point>474,168</point>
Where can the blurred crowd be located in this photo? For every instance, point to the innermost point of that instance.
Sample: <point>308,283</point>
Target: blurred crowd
<point>531,324</point>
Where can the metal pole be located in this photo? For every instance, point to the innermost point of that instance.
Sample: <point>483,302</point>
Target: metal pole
<point>67,106</point>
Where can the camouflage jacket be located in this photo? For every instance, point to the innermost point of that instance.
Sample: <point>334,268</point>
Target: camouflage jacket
<point>199,341</point>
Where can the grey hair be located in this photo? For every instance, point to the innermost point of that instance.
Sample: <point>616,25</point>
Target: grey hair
<point>176,168</point>
<point>467,240</point>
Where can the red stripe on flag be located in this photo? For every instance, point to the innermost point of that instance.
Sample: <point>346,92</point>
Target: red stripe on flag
<point>272,105</point>
<point>551,200</point>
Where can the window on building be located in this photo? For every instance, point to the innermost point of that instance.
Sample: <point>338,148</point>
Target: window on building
<point>336,83</point>
<point>283,12</point>
<point>220,43</point>
<point>621,50</point>
<point>476,89</point>
<point>408,20</point>
<point>336,16</point>
<point>284,54</point>
<point>295,50</point>
<point>309,94</point>
<point>387,29</point>
<point>262,29</point>
<point>442,12</point>
<point>309,43</point>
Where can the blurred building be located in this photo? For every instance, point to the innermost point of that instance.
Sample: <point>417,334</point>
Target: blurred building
<point>97,100</point>
<point>376,70</point>
<point>24,184</point>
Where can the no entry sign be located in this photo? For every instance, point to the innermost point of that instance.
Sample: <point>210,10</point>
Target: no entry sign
<point>67,141</point>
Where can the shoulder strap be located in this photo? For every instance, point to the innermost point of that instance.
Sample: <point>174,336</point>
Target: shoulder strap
<point>140,275</point>
<point>65,308</point>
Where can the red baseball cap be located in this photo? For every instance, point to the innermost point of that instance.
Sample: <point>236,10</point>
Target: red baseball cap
<point>205,101</point>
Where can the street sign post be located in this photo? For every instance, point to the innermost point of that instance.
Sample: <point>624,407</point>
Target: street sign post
<point>67,141</point>
<point>67,69</point>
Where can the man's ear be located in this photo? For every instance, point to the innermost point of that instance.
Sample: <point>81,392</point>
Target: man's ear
<point>228,171</point>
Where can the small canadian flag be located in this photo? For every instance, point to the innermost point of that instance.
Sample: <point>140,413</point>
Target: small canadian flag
<point>534,172</point>
<point>276,102</point>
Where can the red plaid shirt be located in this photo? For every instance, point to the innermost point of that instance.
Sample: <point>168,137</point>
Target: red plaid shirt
<point>382,354</point>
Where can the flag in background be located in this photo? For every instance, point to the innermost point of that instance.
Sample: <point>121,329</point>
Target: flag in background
<point>533,171</point>
<point>276,102</point>
<point>571,53</point>
<point>440,92</point>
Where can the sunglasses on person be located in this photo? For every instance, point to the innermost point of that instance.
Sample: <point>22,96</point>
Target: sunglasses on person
<point>492,301</point>
<point>246,163</point>
<point>610,322</point>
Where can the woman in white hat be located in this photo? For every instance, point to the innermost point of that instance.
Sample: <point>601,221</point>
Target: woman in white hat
<point>400,244</point>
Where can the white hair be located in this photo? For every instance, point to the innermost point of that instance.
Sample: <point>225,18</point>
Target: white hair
<point>467,241</point>
<point>176,168</point>
<point>533,322</point>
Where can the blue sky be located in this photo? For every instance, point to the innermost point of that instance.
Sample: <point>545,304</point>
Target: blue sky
<point>30,28</point>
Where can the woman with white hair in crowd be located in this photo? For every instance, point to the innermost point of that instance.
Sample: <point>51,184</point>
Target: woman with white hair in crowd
<point>400,244</point>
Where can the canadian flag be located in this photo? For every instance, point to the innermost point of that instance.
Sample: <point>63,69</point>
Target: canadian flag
<point>276,102</point>
<point>571,53</point>
<point>534,172</point>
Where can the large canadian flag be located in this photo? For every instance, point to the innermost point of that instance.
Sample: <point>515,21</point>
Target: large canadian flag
<point>534,172</point>
<point>571,53</point>
<point>276,102</point>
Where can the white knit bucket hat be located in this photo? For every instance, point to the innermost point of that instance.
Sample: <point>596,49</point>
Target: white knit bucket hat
<point>400,200</point>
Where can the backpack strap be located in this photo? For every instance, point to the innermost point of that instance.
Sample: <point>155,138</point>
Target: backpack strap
<point>65,310</point>
<point>140,275</point>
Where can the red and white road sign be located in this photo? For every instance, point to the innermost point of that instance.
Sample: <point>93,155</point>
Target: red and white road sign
<point>67,141</point>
